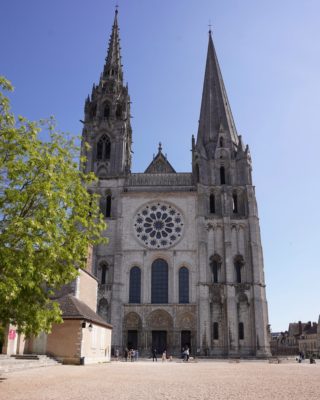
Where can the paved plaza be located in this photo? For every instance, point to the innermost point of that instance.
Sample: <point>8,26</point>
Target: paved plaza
<point>174,380</point>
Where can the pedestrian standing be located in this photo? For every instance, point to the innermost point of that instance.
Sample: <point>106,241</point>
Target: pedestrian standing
<point>154,355</point>
<point>187,353</point>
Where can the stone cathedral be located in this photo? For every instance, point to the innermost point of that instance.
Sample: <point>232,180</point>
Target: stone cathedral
<point>184,263</point>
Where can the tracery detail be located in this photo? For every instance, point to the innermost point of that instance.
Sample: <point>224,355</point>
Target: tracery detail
<point>158,225</point>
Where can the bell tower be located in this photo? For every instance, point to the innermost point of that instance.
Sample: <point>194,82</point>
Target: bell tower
<point>233,310</point>
<point>219,155</point>
<point>107,128</point>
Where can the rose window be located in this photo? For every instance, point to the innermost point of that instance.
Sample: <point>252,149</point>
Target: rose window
<point>158,225</point>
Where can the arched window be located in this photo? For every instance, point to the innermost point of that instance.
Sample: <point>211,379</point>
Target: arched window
<point>118,111</point>
<point>103,148</point>
<point>159,282</point>
<point>135,285</point>
<point>222,176</point>
<point>221,141</point>
<point>215,331</point>
<point>212,204</point>
<point>183,285</point>
<point>215,267</point>
<point>238,264</point>
<point>238,272</point>
<point>103,309</point>
<point>105,205</point>
<point>235,203</point>
<point>100,150</point>
<point>241,331</point>
<point>106,111</point>
<point>108,206</point>
<point>104,273</point>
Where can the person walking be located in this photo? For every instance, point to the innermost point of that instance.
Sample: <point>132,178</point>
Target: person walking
<point>154,355</point>
<point>126,351</point>
<point>187,354</point>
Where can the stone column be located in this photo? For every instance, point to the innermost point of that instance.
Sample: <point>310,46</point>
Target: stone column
<point>116,303</point>
<point>146,284</point>
<point>204,309</point>
<point>259,295</point>
<point>232,320</point>
<point>174,286</point>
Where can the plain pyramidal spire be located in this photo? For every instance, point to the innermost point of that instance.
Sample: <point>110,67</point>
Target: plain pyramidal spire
<point>215,113</point>
<point>113,66</point>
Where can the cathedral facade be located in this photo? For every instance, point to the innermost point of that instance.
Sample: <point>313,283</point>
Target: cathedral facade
<point>184,265</point>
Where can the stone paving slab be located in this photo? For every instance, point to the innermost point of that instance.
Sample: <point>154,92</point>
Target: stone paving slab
<point>145,380</point>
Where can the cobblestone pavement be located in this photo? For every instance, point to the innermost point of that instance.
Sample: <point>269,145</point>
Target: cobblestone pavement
<point>141,380</point>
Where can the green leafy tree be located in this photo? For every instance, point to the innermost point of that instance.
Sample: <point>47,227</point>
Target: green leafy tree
<point>48,220</point>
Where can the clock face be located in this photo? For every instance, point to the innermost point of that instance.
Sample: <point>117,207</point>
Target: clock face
<point>158,225</point>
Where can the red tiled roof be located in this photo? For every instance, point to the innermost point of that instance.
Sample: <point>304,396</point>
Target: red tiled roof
<point>73,308</point>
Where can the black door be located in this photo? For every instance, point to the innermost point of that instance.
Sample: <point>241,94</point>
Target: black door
<point>186,339</point>
<point>133,340</point>
<point>159,341</point>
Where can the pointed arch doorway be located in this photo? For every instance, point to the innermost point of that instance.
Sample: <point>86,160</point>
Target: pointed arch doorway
<point>159,341</point>
<point>160,327</point>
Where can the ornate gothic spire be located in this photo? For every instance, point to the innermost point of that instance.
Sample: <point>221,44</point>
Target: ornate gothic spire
<point>113,67</point>
<point>215,114</point>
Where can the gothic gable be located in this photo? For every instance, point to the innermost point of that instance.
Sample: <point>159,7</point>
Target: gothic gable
<point>160,164</point>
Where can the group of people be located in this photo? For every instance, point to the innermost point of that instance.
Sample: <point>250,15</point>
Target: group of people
<point>301,358</point>
<point>164,357</point>
<point>185,354</point>
<point>131,355</point>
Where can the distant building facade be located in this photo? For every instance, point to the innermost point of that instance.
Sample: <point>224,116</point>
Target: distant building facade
<point>301,337</point>
<point>184,264</point>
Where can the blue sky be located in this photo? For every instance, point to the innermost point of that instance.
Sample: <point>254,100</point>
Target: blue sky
<point>269,53</point>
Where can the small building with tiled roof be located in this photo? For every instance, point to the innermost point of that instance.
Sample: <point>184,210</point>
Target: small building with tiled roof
<point>83,337</point>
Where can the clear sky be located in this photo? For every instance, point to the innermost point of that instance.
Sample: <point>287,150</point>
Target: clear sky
<point>269,53</point>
